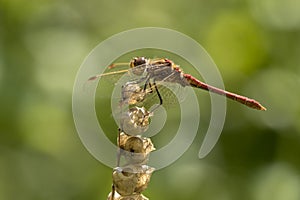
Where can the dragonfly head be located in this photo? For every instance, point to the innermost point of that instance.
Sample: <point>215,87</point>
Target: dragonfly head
<point>137,61</point>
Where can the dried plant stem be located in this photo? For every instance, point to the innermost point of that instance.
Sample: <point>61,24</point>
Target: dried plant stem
<point>132,174</point>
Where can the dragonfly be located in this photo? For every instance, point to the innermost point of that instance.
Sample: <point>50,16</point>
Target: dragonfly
<point>165,70</point>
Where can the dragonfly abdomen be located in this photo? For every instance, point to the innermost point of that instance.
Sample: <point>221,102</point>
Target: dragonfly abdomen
<point>242,99</point>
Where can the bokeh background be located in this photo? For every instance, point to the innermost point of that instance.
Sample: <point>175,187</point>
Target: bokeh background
<point>255,44</point>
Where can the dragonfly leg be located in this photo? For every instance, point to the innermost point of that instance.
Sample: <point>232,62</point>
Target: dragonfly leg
<point>146,83</point>
<point>150,86</point>
<point>158,94</point>
<point>112,197</point>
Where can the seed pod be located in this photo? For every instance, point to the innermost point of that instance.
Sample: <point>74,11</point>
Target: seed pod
<point>131,179</point>
<point>135,149</point>
<point>136,120</point>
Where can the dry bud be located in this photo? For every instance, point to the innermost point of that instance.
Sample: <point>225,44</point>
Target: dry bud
<point>132,179</point>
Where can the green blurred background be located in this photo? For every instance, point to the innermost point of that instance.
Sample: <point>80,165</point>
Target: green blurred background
<point>255,44</point>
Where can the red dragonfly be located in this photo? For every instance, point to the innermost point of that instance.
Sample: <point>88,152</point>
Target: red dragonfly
<point>162,69</point>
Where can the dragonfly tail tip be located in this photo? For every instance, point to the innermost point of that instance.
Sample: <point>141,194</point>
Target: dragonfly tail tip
<point>263,108</point>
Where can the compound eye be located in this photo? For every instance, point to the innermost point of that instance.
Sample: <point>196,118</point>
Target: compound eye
<point>139,61</point>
